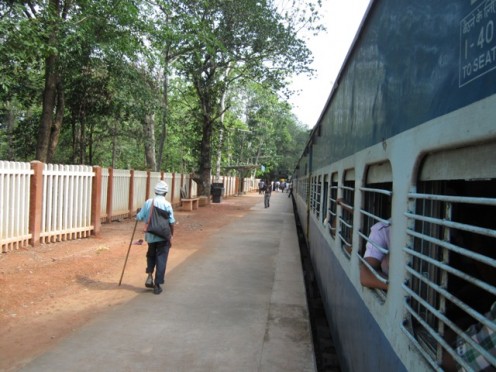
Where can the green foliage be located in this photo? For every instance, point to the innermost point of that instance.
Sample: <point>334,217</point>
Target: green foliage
<point>113,59</point>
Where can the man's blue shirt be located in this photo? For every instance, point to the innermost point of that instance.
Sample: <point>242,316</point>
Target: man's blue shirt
<point>159,201</point>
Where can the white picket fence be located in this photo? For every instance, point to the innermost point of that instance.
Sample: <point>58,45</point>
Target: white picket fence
<point>14,201</point>
<point>66,200</point>
<point>66,212</point>
<point>120,195</point>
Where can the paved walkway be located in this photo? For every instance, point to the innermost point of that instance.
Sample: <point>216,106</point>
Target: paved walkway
<point>238,305</point>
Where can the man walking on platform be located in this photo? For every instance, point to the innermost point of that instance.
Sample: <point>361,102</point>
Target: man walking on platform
<point>261,187</point>
<point>267,193</point>
<point>158,246</point>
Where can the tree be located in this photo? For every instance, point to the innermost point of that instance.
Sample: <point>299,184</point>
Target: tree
<point>55,13</point>
<point>273,132</point>
<point>116,82</point>
<point>64,34</point>
<point>237,41</point>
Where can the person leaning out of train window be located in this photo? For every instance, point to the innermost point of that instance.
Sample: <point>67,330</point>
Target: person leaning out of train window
<point>379,234</point>
<point>341,202</point>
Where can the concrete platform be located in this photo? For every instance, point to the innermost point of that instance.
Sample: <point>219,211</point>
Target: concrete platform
<point>238,305</point>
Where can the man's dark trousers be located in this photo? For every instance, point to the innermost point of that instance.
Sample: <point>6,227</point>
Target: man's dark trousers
<point>156,258</point>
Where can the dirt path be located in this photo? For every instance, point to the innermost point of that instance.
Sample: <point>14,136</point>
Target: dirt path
<point>49,291</point>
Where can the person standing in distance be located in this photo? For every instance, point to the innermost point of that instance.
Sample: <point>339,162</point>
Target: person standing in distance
<point>158,247</point>
<point>267,192</point>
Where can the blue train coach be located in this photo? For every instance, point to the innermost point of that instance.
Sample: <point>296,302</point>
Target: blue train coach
<point>407,141</point>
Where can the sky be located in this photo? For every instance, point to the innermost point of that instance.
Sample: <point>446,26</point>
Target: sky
<point>342,19</point>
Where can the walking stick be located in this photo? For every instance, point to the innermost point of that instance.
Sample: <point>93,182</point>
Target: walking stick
<point>127,255</point>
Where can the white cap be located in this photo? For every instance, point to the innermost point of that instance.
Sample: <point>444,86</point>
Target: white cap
<point>161,188</point>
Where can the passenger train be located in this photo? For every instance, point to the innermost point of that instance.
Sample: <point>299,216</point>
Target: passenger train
<point>408,138</point>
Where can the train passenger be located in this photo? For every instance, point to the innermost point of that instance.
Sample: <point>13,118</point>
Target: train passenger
<point>379,234</point>
<point>482,335</point>
<point>341,202</point>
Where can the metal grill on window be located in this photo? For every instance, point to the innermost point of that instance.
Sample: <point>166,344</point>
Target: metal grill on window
<point>302,187</point>
<point>346,217</point>
<point>325,197</point>
<point>313,189</point>
<point>451,250</point>
<point>318,192</point>
<point>376,209</point>
<point>333,195</point>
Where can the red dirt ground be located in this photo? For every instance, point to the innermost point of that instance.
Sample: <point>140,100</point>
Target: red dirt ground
<point>49,291</point>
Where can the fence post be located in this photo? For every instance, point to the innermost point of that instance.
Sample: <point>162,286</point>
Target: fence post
<point>173,186</point>
<point>190,185</point>
<point>96,200</point>
<point>110,188</point>
<point>36,202</point>
<point>130,206</point>
<point>148,182</point>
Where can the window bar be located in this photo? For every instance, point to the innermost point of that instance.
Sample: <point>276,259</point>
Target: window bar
<point>454,225</point>
<point>378,191</point>
<point>481,284</point>
<point>372,270</point>
<point>448,209</point>
<point>476,315</point>
<point>382,249</point>
<point>378,219</point>
<point>440,316</point>
<point>438,338</point>
<point>333,217</point>
<point>346,243</point>
<point>452,247</point>
<point>434,364</point>
<point>454,199</point>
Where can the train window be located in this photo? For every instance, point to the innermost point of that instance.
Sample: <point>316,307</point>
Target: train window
<point>376,210</point>
<point>302,187</point>
<point>324,198</point>
<point>333,195</point>
<point>346,218</point>
<point>318,194</point>
<point>313,193</point>
<point>452,235</point>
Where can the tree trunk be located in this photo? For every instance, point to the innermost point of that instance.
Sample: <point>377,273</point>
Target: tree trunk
<point>205,157</point>
<point>165,116</point>
<point>149,132</point>
<point>50,90</point>
<point>114,143</point>
<point>57,123</point>
<point>49,94</point>
<point>221,135</point>
<point>221,127</point>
